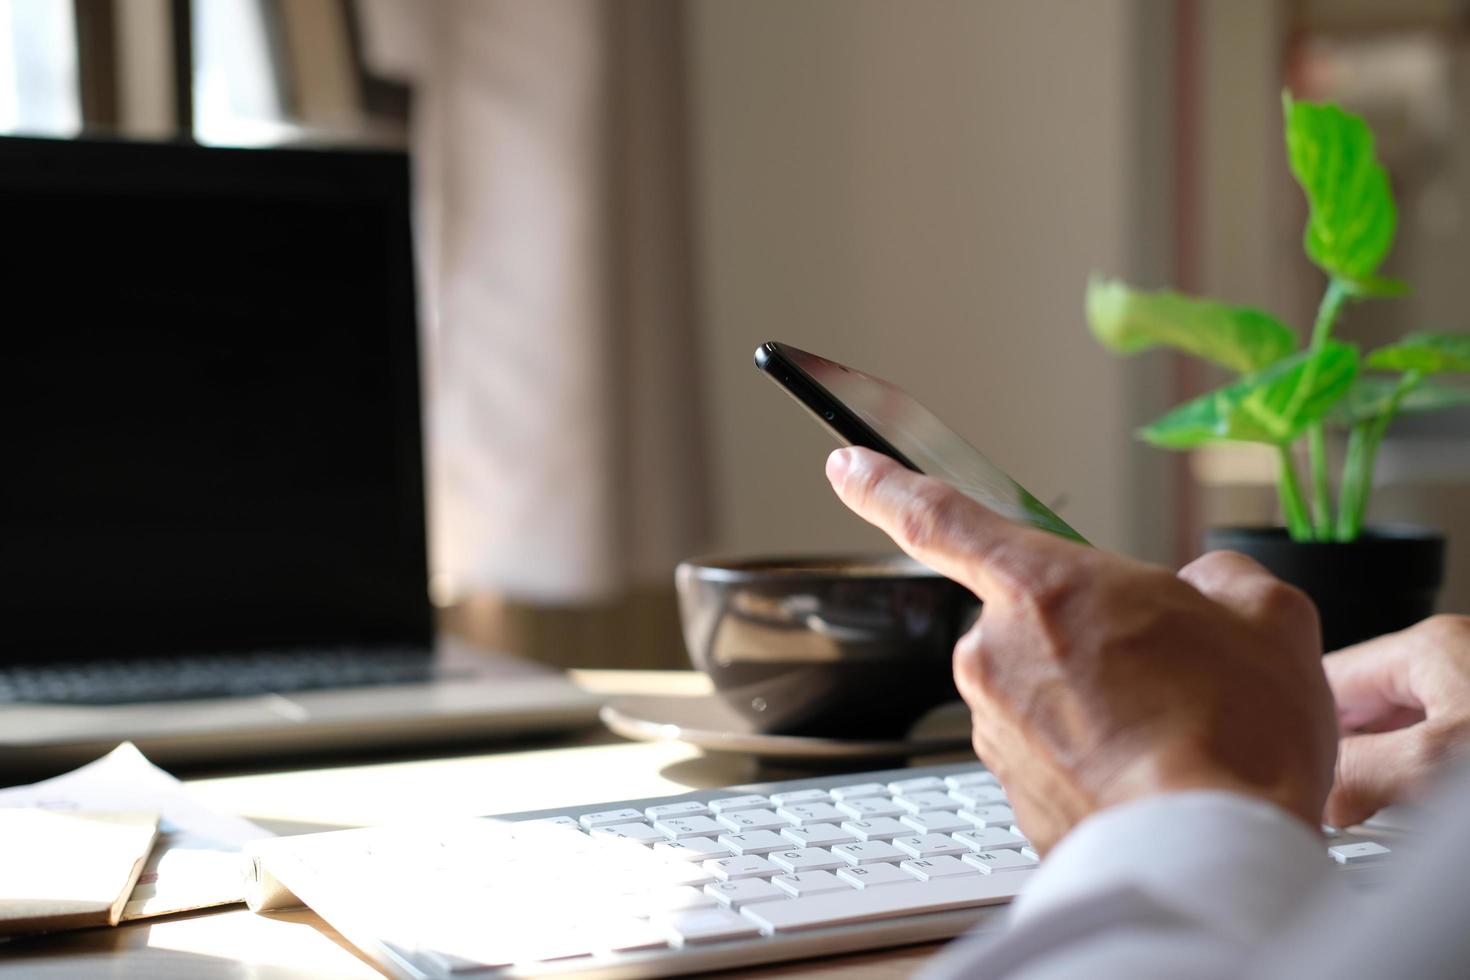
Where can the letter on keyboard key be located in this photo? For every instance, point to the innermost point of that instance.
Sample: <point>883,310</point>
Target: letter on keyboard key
<point>746,820</point>
<point>731,804</point>
<point>936,822</point>
<point>943,866</point>
<point>605,817</point>
<point>1362,852</point>
<point>1002,859</point>
<point>692,808</point>
<point>874,875</point>
<point>989,839</point>
<point>806,859</point>
<point>749,866</point>
<point>818,835</point>
<point>801,796</point>
<point>810,883</point>
<point>678,828</point>
<point>878,828</point>
<point>755,842</point>
<point>888,902</point>
<point>871,808</point>
<point>908,786</point>
<point>640,833</point>
<point>802,814</point>
<point>978,778</point>
<point>708,925</point>
<point>924,800</point>
<point>737,894</point>
<point>868,852</point>
<point>691,849</point>
<point>995,815</point>
<point>929,845</point>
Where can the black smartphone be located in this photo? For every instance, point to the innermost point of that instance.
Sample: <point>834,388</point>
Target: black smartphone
<point>861,410</point>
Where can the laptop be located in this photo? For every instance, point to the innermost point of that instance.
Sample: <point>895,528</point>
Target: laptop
<point>212,505</point>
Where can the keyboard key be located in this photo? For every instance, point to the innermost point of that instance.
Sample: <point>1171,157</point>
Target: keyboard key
<point>936,822</point>
<point>890,902</point>
<point>641,833</point>
<point>707,926</point>
<point>979,777</point>
<point>692,849</point>
<point>995,815</point>
<point>925,800</point>
<point>978,796</point>
<point>755,842</point>
<point>676,873</point>
<point>868,852</point>
<point>942,866</point>
<point>859,791</point>
<point>745,866</point>
<point>869,807</point>
<point>735,894</point>
<point>605,817</point>
<point>801,796</point>
<point>929,845</point>
<point>732,803</point>
<point>906,786</point>
<point>818,835</point>
<point>676,899</point>
<point>802,814</point>
<point>810,883</point>
<point>744,820</point>
<point>879,828</point>
<point>678,828</point>
<point>1363,852</point>
<point>873,875</point>
<point>1002,859</point>
<point>806,859</point>
<point>691,808</point>
<point>989,839</point>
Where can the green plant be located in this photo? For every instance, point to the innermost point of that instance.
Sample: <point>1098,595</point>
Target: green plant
<point>1288,392</point>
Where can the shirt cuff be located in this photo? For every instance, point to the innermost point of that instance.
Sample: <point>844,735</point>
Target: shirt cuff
<point>1235,864</point>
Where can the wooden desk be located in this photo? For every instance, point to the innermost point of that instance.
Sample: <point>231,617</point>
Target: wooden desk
<point>237,944</point>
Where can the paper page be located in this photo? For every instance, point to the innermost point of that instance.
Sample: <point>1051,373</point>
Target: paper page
<point>196,862</point>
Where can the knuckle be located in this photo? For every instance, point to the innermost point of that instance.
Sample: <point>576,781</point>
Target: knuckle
<point>1448,630</point>
<point>927,519</point>
<point>1282,601</point>
<point>1438,743</point>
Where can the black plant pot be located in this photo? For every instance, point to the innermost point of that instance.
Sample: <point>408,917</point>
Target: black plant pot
<point>1384,581</point>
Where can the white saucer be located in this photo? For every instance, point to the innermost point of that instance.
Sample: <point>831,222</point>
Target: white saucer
<point>709,723</point>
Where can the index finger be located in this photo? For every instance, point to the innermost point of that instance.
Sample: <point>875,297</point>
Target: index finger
<point>938,525</point>
<point>1371,682</point>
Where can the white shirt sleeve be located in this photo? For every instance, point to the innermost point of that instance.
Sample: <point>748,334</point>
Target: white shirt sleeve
<point>1178,886</point>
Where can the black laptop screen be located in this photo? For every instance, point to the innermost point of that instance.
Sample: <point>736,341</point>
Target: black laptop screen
<point>209,402</point>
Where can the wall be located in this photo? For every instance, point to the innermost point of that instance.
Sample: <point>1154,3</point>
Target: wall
<point>921,190</point>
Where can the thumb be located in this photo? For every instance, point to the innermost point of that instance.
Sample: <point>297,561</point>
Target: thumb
<point>1374,771</point>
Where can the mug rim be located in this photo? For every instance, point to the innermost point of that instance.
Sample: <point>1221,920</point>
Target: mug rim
<point>894,565</point>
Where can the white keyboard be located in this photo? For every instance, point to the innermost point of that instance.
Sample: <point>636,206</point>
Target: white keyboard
<point>707,880</point>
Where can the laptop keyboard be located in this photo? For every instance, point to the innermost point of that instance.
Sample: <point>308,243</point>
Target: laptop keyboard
<point>212,676</point>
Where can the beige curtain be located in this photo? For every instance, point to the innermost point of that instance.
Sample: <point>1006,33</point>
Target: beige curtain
<point>553,226</point>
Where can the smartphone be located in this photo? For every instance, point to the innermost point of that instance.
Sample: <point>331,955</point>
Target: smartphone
<point>861,410</point>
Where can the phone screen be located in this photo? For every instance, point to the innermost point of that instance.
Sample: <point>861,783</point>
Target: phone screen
<point>912,433</point>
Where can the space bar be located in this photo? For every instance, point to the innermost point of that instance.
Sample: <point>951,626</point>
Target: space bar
<point>886,901</point>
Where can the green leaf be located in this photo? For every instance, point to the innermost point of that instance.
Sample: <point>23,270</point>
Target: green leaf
<point>1370,396</point>
<point>1273,406</point>
<point>1128,321</point>
<point>1427,353</point>
<point>1352,217</point>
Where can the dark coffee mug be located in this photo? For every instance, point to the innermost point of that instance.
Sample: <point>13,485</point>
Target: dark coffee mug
<point>856,648</point>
